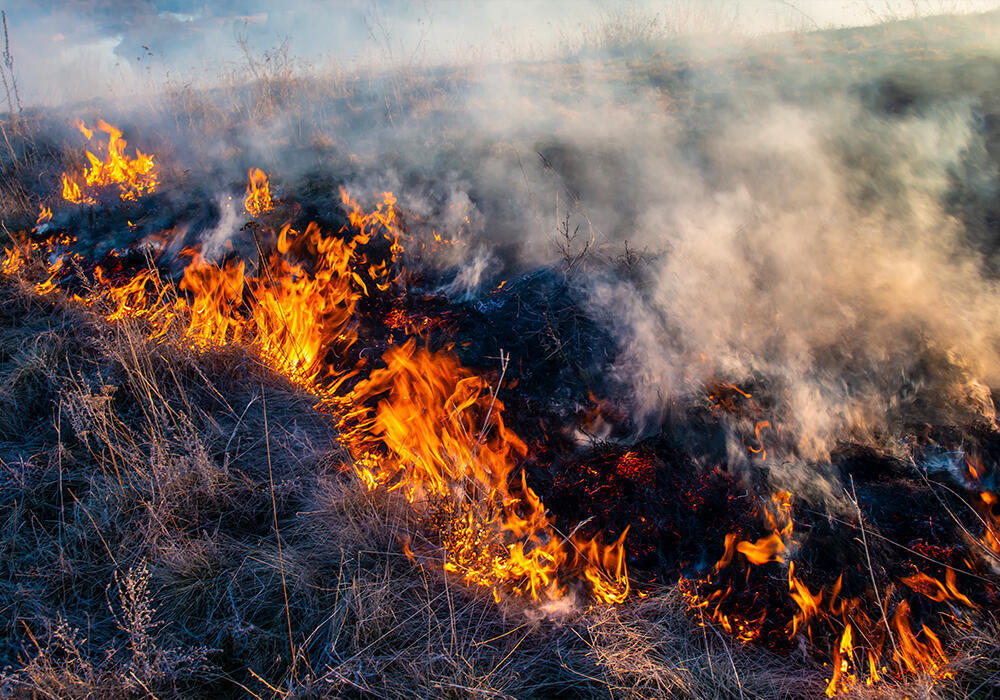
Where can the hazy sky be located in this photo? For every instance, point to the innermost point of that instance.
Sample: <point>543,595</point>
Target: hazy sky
<point>75,49</point>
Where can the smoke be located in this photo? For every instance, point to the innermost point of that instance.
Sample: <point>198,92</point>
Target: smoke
<point>810,244</point>
<point>861,313</point>
<point>806,214</point>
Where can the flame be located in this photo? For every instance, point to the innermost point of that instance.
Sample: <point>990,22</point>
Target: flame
<point>134,176</point>
<point>428,428</point>
<point>914,655</point>
<point>935,590</point>
<point>760,425</point>
<point>13,260</point>
<point>49,285</point>
<point>292,317</point>
<point>763,550</point>
<point>44,215</point>
<point>216,293</point>
<point>605,569</point>
<point>843,656</point>
<point>87,133</point>
<point>422,425</point>
<point>144,296</point>
<point>808,604</point>
<point>258,199</point>
<point>71,192</point>
<point>974,464</point>
<point>991,538</point>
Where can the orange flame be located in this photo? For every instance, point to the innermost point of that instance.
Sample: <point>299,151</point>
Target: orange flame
<point>258,199</point>
<point>808,604</point>
<point>843,656</point>
<point>44,215</point>
<point>763,550</point>
<point>13,260</point>
<point>915,655</point>
<point>423,425</point>
<point>935,590</point>
<point>135,177</point>
<point>427,427</point>
<point>431,430</point>
<point>991,538</point>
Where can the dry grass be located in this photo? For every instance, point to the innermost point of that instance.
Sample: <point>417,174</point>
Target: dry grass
<point>140,557</point>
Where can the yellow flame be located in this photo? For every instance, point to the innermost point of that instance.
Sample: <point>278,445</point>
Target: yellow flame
<point>258,199</point>
<point>134,176</point>
<point>422,425</point>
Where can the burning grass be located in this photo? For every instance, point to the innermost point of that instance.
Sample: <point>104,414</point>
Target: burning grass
<point>433,468</point>
<point>144,560</point>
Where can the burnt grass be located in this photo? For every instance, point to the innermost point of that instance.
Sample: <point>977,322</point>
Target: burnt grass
<point>146,487</point>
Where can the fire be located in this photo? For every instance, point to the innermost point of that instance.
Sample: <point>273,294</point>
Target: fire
<point>144,296</point>
<point>761,450</point>
<point>991,518</point>
<point>430,429</point>
<point>605,568</point>
<point>49,285</point>
<point>919,652</point>
<point>763,550</point>
<point>914,655</point>
<point>808,604</point>
<point>44,216</point>
<point>290,316</point>
<point>134,176</point>
<point>935,590</point>
<point>843,656</point>
<point>13,260</point>
<point>216,294</point>
<point>258,199</point>
<point>50,255</point>
<point>422,425</point>
<point>71,192</point>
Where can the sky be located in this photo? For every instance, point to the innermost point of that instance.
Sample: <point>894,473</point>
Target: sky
<point>73,50</point>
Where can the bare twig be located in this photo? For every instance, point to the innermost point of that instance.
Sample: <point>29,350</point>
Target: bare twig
<point>566,244</point>
<point>10,85</point>
<point>871,571</point>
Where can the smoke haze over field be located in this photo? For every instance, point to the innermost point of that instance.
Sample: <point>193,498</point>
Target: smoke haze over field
<point>814,213</point>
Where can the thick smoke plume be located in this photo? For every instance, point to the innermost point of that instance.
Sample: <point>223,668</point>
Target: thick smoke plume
<point>779,212</point>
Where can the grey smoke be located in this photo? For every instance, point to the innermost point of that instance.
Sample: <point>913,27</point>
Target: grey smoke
<point>793,231</point>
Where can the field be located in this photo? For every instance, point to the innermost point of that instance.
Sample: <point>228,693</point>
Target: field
<point>662,367</point>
